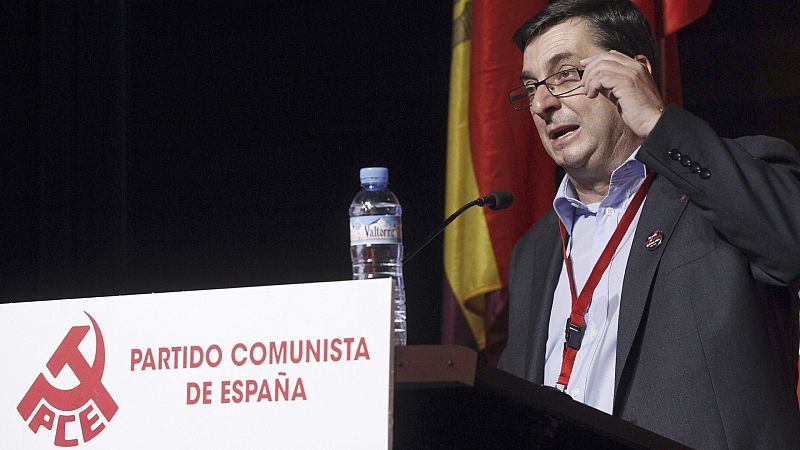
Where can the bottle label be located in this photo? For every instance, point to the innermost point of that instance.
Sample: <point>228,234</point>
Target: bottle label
<point>375,230</point>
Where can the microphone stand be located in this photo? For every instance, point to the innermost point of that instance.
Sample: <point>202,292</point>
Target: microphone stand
<point>495,200</point>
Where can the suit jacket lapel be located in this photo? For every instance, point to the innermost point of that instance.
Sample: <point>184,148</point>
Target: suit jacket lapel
<point>548,263</point>
<point>660,212</point>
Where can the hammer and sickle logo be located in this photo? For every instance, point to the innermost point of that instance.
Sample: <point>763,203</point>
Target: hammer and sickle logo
<point>89,388</point>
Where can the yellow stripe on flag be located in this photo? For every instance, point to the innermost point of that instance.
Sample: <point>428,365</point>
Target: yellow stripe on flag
<point>470,264</point>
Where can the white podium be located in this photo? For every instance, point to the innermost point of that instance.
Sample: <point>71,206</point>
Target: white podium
<point>293,366</point>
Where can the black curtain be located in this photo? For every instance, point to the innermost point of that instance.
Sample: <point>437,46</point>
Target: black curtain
<point>155,146</point>
<point>82,149</point>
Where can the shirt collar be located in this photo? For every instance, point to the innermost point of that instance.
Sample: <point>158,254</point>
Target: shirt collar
<point>625,179</point>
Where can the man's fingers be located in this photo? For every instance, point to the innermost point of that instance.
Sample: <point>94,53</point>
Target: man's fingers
<point>606,76</point>
<point>626,82</point>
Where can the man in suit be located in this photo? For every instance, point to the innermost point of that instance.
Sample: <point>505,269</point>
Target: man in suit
<point>668,251</point>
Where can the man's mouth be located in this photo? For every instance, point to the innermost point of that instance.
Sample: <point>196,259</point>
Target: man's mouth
<point>562,132</point>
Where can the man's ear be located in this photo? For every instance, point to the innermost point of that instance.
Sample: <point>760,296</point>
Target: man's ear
<point>646,62</point>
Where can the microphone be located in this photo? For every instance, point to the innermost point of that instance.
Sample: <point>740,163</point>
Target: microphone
<point>495,200</point>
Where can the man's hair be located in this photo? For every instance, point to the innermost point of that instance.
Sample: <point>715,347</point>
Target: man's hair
<point>613,25</point>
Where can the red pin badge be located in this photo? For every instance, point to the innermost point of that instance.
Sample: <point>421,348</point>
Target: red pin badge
<point>654,240</point>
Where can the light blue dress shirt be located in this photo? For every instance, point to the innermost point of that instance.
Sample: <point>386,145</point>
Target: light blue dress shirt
<point>589,228</point>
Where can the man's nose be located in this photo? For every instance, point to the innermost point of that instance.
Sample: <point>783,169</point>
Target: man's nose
<point>544,103</point>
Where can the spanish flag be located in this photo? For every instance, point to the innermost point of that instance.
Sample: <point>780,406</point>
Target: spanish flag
<point>491,146</point>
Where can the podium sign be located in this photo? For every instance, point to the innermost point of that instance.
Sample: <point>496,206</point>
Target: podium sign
<point>294,366</point>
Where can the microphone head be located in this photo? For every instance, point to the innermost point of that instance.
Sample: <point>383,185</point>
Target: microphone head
<point>499,200</point>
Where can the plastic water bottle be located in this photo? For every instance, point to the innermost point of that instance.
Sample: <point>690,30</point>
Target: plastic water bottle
<point>376,239</point>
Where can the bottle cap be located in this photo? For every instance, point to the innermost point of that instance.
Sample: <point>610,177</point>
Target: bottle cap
<point>374,175</point>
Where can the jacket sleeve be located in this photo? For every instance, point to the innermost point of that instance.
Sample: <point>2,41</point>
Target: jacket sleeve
<point>748,188</point>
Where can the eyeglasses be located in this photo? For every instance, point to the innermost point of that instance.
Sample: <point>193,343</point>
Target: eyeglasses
<point>566,80</point>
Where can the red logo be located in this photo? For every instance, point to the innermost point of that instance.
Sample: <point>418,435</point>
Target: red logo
<point>45,405</point>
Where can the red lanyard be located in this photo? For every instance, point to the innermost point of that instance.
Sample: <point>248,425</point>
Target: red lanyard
<point>580,304</point>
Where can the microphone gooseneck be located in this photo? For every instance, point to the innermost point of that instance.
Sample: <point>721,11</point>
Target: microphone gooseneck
<point>495,200</point>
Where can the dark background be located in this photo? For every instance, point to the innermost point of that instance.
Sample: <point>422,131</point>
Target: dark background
<point>159,146</point>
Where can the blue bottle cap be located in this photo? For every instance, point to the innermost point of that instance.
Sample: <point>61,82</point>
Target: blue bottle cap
<point>374,175</point>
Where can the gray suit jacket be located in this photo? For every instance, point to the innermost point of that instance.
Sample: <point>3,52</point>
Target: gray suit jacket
<point>708,329</point>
